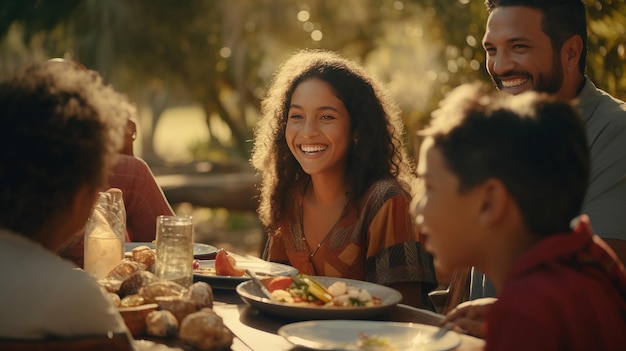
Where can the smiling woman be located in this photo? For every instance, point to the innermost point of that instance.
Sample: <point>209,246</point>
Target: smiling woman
<point>327,122</point>
<point>318,129</point>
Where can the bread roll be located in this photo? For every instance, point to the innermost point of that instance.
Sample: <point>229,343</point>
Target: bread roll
<point>205,331</point>
<point>132,300</point>
<point>161,323</point>
<point>160,288</point>
<point>179,306</point>
<point>135,282</point>
<point>144,254</point>
<point>201,294</point>
<point>125,269</point>
<point>110,284</point>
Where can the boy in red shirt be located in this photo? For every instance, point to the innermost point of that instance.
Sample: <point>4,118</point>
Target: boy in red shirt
<point>505,177</point>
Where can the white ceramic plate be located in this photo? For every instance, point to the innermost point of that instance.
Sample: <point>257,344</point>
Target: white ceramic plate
<point>199,249</point>
<point>261,268</point>
<point>252,295</point>
<point>343,335</point>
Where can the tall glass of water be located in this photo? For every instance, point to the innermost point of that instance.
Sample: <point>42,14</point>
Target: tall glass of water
<point>174,249</point>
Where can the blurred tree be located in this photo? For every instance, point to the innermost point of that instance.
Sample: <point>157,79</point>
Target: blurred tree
<point>221,54</point>
<point>606,58</point>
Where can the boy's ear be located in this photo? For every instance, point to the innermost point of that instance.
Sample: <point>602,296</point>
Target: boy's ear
<point>494,201</point>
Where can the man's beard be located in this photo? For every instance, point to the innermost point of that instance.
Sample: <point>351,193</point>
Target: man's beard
<point>550,83</point>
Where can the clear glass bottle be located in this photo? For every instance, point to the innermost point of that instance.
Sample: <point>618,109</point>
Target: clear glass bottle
<point>105,234</point>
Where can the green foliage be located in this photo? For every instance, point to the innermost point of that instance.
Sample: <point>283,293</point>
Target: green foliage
<point>607,45</point>
<point>40,15</point>
<point>222,54</point>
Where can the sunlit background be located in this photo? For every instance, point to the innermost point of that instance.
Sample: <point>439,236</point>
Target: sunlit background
<point>197,71</point>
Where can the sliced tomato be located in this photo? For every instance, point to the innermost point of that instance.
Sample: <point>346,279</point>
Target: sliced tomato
<point>279,283</point>
<point>224,267</point>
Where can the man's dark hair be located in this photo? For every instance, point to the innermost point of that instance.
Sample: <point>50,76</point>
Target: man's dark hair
<point>562,19</point>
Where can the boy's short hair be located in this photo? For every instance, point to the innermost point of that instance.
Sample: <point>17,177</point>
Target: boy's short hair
<point>535,144</point>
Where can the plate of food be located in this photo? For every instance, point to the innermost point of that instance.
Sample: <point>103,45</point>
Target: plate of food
<point>367,335</point>
<point>227,270</point>
<point>199,249</point>
<point>320,297</point>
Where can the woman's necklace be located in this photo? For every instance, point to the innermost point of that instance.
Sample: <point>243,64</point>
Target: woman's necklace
<point>310,250</point>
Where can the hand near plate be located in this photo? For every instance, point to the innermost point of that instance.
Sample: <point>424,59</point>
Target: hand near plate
<point>469,316</point>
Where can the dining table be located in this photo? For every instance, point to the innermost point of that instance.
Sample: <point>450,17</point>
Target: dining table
<point>255,330</point>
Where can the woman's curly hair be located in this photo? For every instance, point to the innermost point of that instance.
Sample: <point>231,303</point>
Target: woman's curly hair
<point>376,123</point>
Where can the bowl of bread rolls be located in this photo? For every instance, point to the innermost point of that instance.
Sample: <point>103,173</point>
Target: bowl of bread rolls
<point>159,308</point>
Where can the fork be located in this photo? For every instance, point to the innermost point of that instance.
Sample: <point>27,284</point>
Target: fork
<point>440,333</point>
<point>256,280</point>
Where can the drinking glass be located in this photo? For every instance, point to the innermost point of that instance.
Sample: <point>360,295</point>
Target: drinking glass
<point>174,249</point>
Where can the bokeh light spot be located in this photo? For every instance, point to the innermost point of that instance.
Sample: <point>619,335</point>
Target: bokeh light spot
<point>317,35</point>
<point>303,16</point>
